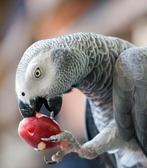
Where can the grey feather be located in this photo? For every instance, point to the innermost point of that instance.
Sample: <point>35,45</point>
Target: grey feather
<point>113,78</point>
<point>130,96</point>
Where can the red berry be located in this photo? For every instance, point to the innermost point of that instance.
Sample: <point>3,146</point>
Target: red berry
<point>32,129</point>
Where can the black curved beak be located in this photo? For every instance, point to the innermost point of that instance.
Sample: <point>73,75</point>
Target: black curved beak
<point>53,105</point>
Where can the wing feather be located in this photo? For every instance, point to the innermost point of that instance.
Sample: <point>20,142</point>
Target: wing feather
<point>130,95</point>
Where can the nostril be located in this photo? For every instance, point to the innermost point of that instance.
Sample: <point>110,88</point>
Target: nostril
<point>23,93</point>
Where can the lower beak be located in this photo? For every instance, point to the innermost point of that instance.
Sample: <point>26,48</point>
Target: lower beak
<point>53,105</point>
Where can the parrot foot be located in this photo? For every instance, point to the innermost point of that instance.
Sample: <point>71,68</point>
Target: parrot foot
<point>67,144</point>
<point>49,161</point>
<point>56,158</point>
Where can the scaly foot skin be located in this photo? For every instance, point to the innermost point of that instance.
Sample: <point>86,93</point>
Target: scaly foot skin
<point>68,144</point>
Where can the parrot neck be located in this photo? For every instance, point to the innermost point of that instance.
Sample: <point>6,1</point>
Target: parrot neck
<point>97,85</point>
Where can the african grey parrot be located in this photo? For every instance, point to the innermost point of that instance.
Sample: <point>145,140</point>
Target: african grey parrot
<point>111,72</point>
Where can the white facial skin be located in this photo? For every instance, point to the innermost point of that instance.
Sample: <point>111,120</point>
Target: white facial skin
<point>38,77</point>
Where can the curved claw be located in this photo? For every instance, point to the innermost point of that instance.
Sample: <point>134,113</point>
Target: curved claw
<point>49,161</point>
<point>51,139</point>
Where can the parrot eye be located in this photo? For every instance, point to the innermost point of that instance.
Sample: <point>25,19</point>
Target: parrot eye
<point>37,73</point>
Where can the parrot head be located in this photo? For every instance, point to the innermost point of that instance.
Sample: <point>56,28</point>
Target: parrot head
<point>43,75</point>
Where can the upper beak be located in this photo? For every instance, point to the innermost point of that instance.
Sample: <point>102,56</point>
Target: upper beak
<point>53,105</point>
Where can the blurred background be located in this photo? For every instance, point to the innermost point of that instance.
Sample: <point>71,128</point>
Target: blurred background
<point>24,21</point>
